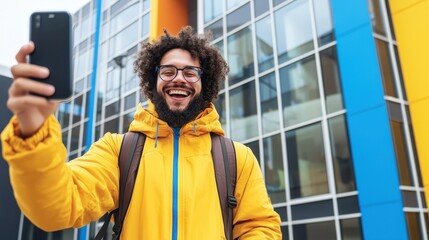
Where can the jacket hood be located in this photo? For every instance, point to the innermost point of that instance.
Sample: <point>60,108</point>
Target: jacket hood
<point>146,120</point>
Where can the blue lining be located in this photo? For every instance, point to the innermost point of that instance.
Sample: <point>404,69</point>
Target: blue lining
<point>176,132</point>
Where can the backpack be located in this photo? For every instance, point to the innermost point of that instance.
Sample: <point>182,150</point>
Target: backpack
<point>225,166</point>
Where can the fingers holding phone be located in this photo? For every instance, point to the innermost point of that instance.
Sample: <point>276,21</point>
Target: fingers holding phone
<point>31,110</point>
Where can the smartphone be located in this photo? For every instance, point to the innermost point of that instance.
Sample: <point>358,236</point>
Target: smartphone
<point>51,33</point>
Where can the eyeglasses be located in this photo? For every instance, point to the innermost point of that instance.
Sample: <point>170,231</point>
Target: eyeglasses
<point>169,72</point>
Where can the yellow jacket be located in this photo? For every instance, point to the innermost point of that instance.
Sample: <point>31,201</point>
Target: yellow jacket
<point>175,195</point>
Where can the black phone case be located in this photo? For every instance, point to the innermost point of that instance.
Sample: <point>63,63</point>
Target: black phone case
<point>52,36</point>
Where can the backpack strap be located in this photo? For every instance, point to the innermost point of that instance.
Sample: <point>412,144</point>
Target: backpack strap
<point>129,160</point>
<point>225,167</point>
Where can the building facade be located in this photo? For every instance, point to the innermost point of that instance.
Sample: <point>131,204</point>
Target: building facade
<point>329,94</point>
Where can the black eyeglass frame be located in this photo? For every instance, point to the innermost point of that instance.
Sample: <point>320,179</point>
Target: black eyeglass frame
<point>198,70</point>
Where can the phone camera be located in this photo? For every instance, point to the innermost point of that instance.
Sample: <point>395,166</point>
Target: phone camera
<point>37,21</point>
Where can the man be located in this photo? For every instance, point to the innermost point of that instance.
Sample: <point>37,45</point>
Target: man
<point>175,195</point>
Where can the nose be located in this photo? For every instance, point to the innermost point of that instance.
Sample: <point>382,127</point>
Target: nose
<point>179,77</point>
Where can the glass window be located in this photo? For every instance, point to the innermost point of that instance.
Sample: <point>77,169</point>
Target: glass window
<point>146,5</point>
<point>386,68</point>
<point>401,149</point>
<point>409,199</point>
<point>219,45</point>
<point>331,80</point>
<point>323,19</point>
<point>79,86</point>
<point>87,104</point>
<point>112,84</point>
<point>130,101</point>
<point>212,9</point>
<point>220,106</point>
<point>341,157</point>
<point>240,56</point>
<point>315,231</point>
<point>216,28</point>
<point>238,17</point>
<point>300,92</point>
<point>131,80</point>
<point>77,109</point>
<point>274,169</point>
<point>85,28</point>
<point>351,229</point>
<point>76,35</point>
<point>146,26</point>
<point>415,231</point>
<point>264,44</point>
<point>399,68</point>
<point>112,126</point>
<point>112,109</point>
<point>254,146</point>
<point>75,134</point>
<point>65,135</point>
<point>293,30</point>
<point>306,161</point>
<point>378,24</point>
<point>348,205</point>
<point>233,3</point>
<point>269,103</point>
<point>127,119</point>
<point>85,126</point>
<point>261,6</point>
<point>123,39</point>
<point>244,120</point>
<point>82,63</point>
<point>282,211</point>
<point>312,210</point>
<point>64,113</point>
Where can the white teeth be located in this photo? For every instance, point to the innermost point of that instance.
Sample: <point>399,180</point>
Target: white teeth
<point>178,92</point>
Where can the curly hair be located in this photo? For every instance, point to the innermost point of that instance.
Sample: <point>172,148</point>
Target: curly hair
<point>211,61</point>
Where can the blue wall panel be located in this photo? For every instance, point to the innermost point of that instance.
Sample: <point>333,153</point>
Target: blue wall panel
<point>368,123</point>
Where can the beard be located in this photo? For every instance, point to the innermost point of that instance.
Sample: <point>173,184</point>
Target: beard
<point>179,118</point>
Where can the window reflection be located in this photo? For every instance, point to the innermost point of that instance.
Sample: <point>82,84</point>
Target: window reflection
<point>300,92</point>
<point>386,67</point>
<point>331,80</point>
<point>233,3</point>
<point>212,9</point>
<point>77,109</point>
<point>123,39</point>
<point>341,157</point>
<point>244,122</point>
<point>274,169</point>
<point>238,17</point>
<point>351,229</point>
<point>401,149</point>
<point>269,103</point>
<point>127,119</point>
<point>221,109</point>
<point>264,44</point>
<point>124,18</point>
<point>306,161</point>
<point>323,19</point>
<point>315,231</point>
<point>293,30</point>
<point>240,56</point>
<point>145,26</point>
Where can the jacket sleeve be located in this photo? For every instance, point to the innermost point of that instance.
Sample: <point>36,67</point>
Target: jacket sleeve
<point>54,194</point>
<point>254,216</point>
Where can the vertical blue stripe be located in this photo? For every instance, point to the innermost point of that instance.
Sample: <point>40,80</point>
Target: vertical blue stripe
<point>175,182</point>
<point>90,128</point>
<point>368,123</point>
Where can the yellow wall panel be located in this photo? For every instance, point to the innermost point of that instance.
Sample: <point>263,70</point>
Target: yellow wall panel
<point>411,24</point>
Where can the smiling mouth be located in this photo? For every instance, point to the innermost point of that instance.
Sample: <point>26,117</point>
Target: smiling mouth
<point>178,93</point>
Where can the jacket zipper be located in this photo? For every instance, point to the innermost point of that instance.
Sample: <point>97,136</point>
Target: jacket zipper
<point>176,132</point>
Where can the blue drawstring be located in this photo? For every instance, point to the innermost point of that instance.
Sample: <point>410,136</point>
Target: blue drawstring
<point>195,128</point>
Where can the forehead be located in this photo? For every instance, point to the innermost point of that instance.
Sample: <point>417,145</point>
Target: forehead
<point>179,58</point>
